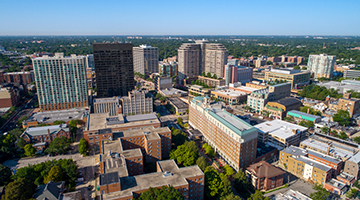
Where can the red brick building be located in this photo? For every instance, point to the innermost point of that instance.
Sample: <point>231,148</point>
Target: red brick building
<point>45,133</point>
<point>24,77</point>
<point>9,96</point>
<point>265,176</point>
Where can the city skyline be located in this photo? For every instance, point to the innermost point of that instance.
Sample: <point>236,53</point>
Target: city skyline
<point>186,18</point>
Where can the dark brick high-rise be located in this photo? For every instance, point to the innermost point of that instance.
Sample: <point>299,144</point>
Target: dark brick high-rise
<point>114,69</point>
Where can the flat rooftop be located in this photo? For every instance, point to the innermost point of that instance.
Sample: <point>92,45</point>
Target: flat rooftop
<point>291,195</point>
<point>250,89</point>
<point>297,113</point>
<point>107,100</point>
<point>109,178</point>
<point>170,174</point>
<point>178,103</point>
<point>279,128</point>
<point>173,91</point>
<point>59,115</point>
<point>231,121</point>
<point>99,121</point>
<point>336,183</point>
<point>335,151</point>
<point>230,92</point>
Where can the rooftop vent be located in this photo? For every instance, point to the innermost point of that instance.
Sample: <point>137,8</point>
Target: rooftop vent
<point>117,155</point>
<point>167,174</point>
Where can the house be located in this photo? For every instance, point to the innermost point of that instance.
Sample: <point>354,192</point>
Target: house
<point>49,191</point>
<point>264,176</point>
<point>45,133</point>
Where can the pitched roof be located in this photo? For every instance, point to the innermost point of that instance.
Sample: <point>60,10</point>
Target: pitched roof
<point>264,169</point>
<point>50,191</point>
<point>45,130</point>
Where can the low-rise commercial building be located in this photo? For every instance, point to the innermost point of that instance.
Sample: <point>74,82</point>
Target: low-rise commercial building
<point>232,138</point>
<point>345,178</point>
<point>264,176</point>
<point>300,116</point>
<point>173,92</point>
<point>295,161</point>
<point>229,96</point>
<point>297,78</point>
<point>343,86</point>
<point>180,106</point>
<point>187,180</point>
<point>336,187</point>
<point>279,108</point>
<point>198,90</point>
<point>259,98</point>
<point>49,117</point>
<point>280,134</point>
<point>211,81</point>
<point>351,74</point>
<point>256,85</point>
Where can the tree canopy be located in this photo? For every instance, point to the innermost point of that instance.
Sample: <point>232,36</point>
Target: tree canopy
<point>320,194</point>
<point>5,174</point>
<point>164,193</point>
<point>29,150</point>
<point>20,189</point>
<point>59,145</point>
<point>185,154</point>
<point>343,117</point>
<point>83,147</point>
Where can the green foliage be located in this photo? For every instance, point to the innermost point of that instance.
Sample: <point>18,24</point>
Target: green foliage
<point>158,95</point>
<point>163,99</point>
<point>54,175</point>
<point>29,150</point>
<point>158,115</point>
<point>202,163</point>
<point>356,184</point>
<point>20,189</point>
<point>297,67</point>
<point>258,196</point>
<point>139,75</point>
<point>351,193</point>
<point>208,75</point>
<point>213,183</point>
<point>37,173</point>
<point>178,137</point>
<point>203,74</point>
<point>229,171</point>
<point>325,129</point>
<point>320,194</point>
<point>59,145</point>
<point>227,186</point>
<point>214,76</point>
<point>240,182</point>
<point>21,120</point>
<point>185,154</point>
<point>319,93</point>
<point>58,122</point>
<point>73,126</point>
<point>341,135</point>
<point>170,108</point>
<point>20,143</point>
<point>230,197</point>
<point>307,124</point>
<point>208,150</point>
<point>343,117</point>
<point>83,147</point>
<point>5,174</point>
<point>357,139</point>
<point>311,111</point>
<point>164,193</point>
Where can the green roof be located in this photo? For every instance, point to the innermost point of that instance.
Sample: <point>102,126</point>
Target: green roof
<point>273,108</point>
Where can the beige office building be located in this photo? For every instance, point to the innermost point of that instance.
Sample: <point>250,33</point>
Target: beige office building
<point>297,78</point>
<point>146,59</point>
<point>215,59</point>
<point>189,60</point>
<point>137,103</point>
<point>107,105</point>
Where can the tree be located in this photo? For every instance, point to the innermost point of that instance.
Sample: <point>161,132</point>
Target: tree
<point>163,194</point>
<point>226,190</point>
<point>209,151</point>
<point>159,115</point>
<point>229,171</point>
<point>203,74</point>
<point>320,194</point>
<point>258,196</point>
<point>73,126</point>
<point>59,145</point>
<point>29,150</point>
<point>58,122</point>
<point>179,120</point>
<point>178,137</point>
<point>309,124</point>
<point>208,75</point>
<point>343,117</point>
<point>83,147</point>
<point>5,174</point>
<point>54,175</point>
<point>357,139</point>
<point>325,129</point>
<point>213,183</point>
<point>158,95</point>
<point>214,76</point>
<point>182,155</point>
<point>19,190</point>
<point>241,184</point>
<point>247,108</point>
<point>163,99</point>
<point>231,196</point>
<point>202,163</point>
<point>20,143</point>
<point>351,193</point>
<point>297,67</point>
<point>268,62</point>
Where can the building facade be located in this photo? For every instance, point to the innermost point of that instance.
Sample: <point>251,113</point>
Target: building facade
<point>279,108</point>
<point>146,59</point>
<point>137,103</point>
<point>211,82</point>
<point>215,58</point>
<point>45,133</point>
<point>232,138</point>
<point>61,81</point>
<point>168,69</point>
<point>240,74</point>
<point>321,65</point>
<point>259,98</point>
<point>114,69</point>
<point>109,105</point>
<point>189,56</point>
<point>9,96</point>
<point>25,77</point>
<point>297,78</point>
<point>351,74</point>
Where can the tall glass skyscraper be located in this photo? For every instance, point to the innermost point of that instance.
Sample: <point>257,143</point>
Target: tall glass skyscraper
<point>61,81</point>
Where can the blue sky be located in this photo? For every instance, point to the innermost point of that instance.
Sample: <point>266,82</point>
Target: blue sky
<point>186,17</point>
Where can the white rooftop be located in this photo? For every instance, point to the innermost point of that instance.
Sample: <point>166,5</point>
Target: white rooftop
<point>291,195</point>
<point>232,93</point>
<point>279,128</point>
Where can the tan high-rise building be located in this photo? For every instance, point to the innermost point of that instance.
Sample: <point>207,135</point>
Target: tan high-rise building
<point>146,59</point>
<point>232,138</point>
<point>215,59</point>
<point>189,60</point>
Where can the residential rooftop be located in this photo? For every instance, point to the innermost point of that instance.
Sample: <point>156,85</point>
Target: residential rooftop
<point>170,174</point>
<point>291,195</point>
<point>178,103</point>
<point>336,183</point>
<point>45,130</point>
<point>313,163</point>
<point>279,128</point>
